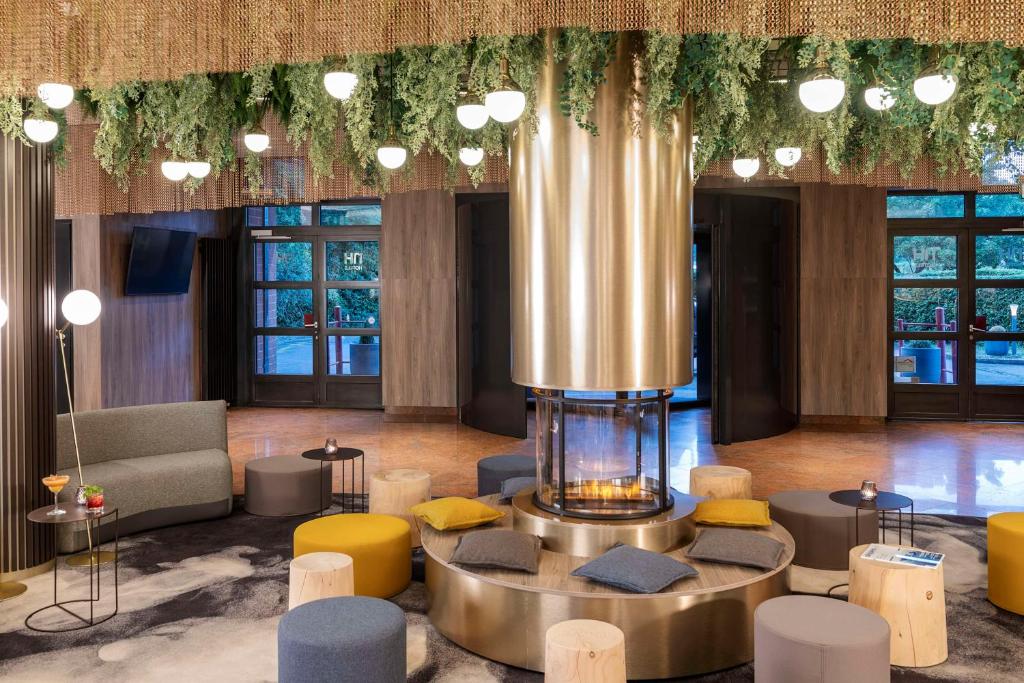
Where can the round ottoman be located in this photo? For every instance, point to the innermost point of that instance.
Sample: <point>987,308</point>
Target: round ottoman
<point>285,485</point>
<point>720,481</point>
<point>378,545</point>
<point>809,639</point>
<point>494,469</point>
<point>823,531</point>
<point>315,576</point>
<point>1006,561</point>
<point>393,492</point>
<point>342,640</point>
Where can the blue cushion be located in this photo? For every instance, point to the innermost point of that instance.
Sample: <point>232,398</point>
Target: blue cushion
<point>635,570</point>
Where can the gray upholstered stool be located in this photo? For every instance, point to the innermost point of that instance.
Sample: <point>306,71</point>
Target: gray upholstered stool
<point>284,485</point>
<point>807,639</point>
<point>823,531</point>
<point>494,469</point>
<point>343,640</point>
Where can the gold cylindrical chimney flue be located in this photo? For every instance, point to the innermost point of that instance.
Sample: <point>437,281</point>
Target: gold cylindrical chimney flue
<point>601,239</point>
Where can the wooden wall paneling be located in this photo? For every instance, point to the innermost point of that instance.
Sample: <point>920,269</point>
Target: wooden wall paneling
<point>86,273</point>
<point>418,302</point>
<point>843,274</point>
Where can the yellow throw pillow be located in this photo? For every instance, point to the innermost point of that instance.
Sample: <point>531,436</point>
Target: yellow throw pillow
<point>733,512</point>
<point>455,513</point>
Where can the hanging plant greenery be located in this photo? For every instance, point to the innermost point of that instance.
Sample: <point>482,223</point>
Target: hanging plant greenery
<point>586,54</point>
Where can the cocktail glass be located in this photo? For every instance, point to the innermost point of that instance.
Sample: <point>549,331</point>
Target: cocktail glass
<point>56,483</point>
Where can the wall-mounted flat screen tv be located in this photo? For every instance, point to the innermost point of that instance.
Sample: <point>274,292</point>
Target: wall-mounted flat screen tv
<point>160,261</point>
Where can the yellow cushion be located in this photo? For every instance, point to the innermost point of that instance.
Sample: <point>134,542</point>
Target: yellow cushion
<point>455,513</point>
<point>1006,561</point>
<point>733,512</point>
<point>379,546</point>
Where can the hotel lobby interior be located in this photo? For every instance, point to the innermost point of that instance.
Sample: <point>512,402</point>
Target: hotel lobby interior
<point>575,342</point>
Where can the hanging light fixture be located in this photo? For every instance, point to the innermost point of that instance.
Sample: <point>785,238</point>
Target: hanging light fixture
<point>40,127</point>
<point>787,156</point>
<point>745,168</point>
<point>174,169</point>
<point>934,85</point>
<point>340,84</point>
<point>879,98</point>
<point>256,140</point>
<point>470,112</point>
<point>392,154</point>
<point>56,95</point>
<point>822,91</point>
<point>198,169</point>
<point>507,102</point>
<point>471,156</point>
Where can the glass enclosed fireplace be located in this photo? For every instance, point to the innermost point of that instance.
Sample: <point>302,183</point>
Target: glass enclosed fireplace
<point>603,455</point>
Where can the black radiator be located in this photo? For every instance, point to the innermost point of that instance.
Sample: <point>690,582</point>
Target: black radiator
<point>219,319</point>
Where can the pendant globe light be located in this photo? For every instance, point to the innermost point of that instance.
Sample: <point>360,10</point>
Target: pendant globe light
<point>40,127</point>
<point>174,169</point>
<point>745,168</point>
<point>934,85</point>
<point>471,156</point>
<point>879,98</point>
<point>256,140</point>
<point>788,156</point>
<point>507,102</point>
<point>470,112</point>
<point>392,154</point>
<point>198,169</point>
<point>822,91</point>
<point>340,84</point>
<point>56,95</point>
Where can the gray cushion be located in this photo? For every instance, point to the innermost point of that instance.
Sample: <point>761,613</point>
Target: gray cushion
<point>498,549</point>
<point>510,488</point>
<point>635,570</point>
<point>494,469</point>
<point>736,546</point>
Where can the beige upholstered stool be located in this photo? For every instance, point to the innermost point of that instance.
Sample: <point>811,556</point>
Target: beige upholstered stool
<point>285,485</point>
<point>720,481</point>
<point>911,599</point>
<point>584,651</point>
<point>393,492</point>
<point>314,576</point>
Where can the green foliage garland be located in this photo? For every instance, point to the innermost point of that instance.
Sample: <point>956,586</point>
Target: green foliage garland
<point>586,54</point>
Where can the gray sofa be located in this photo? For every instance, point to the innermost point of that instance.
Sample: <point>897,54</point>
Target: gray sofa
<point>159,465</point>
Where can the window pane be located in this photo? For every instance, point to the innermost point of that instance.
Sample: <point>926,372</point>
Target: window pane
<point>924,309</point>
<point>354,260</point>
<point>353,308</point>
<point>925,206</point>
<point>1000,308</point>
<point>924,256</point>
<point>999,256</point>
<point>278,216</point>
<point>279,355</point>
<point>999,362</point>
<point>283,307</point>
<point>350,214</point>
<point>282,261</point>
<point>996,205</point>
<point>924,362</point>
<point>353,356</point>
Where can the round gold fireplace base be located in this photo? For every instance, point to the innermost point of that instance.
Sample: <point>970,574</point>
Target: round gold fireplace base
<point>706,624</point>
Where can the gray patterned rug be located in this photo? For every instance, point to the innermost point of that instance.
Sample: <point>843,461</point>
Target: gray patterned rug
<point>200,602</point>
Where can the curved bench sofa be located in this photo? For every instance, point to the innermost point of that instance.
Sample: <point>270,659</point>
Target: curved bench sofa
<point>160,465</point>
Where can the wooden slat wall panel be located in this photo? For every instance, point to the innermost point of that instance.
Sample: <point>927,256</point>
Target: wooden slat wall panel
<point>418,300</point>
<point>842,301</point>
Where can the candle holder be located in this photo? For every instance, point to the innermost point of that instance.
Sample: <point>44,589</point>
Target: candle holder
<point>868,490</point>
<point>331,446</point>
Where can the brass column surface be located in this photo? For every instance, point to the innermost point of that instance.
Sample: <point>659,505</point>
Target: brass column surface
<point>601,238</point>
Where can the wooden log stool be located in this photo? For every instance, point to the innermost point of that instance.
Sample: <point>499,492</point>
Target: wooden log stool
<point>911,599</point>
<point>315,576</point>
<point>720,481</point>
<point>584,651</point>
<point>393,492</point>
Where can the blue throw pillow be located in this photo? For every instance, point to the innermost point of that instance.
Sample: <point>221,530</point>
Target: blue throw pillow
<point>635,570</point>
<point>510,488</point>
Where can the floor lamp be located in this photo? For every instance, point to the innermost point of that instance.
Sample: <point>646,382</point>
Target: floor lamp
<point>8,589</point>
<point>80,307</point>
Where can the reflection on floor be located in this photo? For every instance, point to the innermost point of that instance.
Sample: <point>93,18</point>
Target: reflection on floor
<point>951,468</point>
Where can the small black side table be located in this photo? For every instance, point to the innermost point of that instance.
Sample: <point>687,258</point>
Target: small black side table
<point>78,513</point>
<point>885,501</point>
<point>342,455</point>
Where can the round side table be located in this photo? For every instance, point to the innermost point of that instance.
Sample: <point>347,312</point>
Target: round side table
<point>885,501</point>
<point>74,513</point>
<point>343,455</point>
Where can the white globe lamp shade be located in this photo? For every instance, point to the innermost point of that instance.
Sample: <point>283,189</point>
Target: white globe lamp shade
<point>256,140</point>
<point>3,312</point>
<point>472,115</point>
<point>81,307</point>
<point>56,95</point>
<point>40,130</point>
<point>822,92</point>
<point>746,168</point>
<point>505,105</point>
<point>788,156</point>
<point>696,140</point>
<point>340,84</point>
<point>174,170</point>
<point>198,169</point>
<point>471,156</point>
<point>934,88</point>
<point>391,155</point>
<point>879,98</point>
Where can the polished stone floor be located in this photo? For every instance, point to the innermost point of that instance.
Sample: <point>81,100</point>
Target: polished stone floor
<point>946,467</point>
